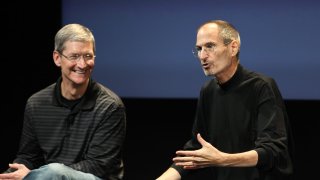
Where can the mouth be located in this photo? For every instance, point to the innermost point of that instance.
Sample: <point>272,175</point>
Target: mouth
<point>79,71</point>
<point>205,65</point>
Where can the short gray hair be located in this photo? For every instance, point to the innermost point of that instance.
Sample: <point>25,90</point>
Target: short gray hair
<point>73,32</point>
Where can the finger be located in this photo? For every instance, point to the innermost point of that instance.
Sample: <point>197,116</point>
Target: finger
<point>190,167</point>
<point>186,153</point>
<point>201,140</point>
<point>6,176</point>
<point>188,163</point>
<point>183,159</point>
<point>15,167</point>
<point>194,167</point>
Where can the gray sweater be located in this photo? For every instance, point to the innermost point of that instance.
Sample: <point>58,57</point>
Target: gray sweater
<point>87,136</point>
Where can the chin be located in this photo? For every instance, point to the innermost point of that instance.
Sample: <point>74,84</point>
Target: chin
<point>80,81</point>
<point>208,73</point>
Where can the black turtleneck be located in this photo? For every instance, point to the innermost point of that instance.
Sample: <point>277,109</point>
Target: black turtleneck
<point>245,113</point>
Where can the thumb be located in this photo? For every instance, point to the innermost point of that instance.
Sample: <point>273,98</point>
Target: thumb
<point>14,165</point>
<point>201,140</point>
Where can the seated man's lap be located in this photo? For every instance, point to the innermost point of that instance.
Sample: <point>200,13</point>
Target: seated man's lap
<point>57,171</point>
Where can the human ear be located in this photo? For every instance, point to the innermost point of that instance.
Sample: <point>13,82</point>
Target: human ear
<point>56,58</point>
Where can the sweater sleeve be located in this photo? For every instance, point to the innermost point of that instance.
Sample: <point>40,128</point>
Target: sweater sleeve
<point>29,153</point>
<point>272,131</point>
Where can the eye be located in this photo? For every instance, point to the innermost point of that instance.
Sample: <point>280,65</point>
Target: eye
<point>74,57</point>
<point>210,45</point>
<point>198,48</point>
<point>88,56</point>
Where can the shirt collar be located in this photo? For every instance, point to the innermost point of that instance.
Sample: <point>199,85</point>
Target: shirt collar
<point>87,101</point>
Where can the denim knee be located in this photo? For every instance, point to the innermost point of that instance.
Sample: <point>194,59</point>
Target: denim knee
<point>56,168</point>
<point>58,171</point>
<point>54,171</point>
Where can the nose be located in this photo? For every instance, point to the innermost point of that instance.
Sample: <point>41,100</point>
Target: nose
<point>81,62</point>
<point>203,54</point>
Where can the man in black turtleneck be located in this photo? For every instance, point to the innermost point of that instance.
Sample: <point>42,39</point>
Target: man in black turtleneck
<point>241,129</point>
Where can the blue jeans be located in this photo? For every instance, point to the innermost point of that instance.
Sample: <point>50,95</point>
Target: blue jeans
<point>57,171</point>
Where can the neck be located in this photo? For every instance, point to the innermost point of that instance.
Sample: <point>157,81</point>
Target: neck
<point>73,92</point>
<point>228,73</point>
